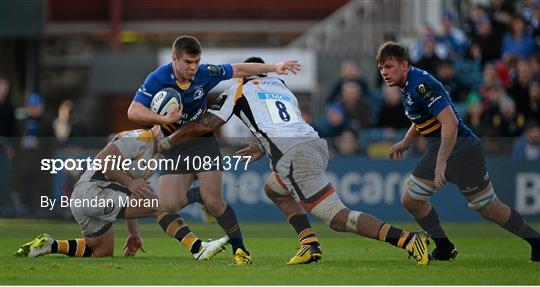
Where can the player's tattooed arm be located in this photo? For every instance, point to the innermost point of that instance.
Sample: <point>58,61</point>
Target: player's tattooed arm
<point>206,124</point>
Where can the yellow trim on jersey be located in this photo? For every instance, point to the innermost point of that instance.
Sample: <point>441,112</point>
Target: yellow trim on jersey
<point>186,85</point>
<point>430,130</point>
<point>426,123</point>
<point>145,136</point>
<point>239,91</point>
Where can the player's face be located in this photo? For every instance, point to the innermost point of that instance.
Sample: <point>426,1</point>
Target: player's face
<point>186,65</point>
<point>394,72</point>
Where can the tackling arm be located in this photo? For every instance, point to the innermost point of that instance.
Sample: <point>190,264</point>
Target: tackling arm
<point>138,186</point>
<point>112,173</point>
<point>206,124</point>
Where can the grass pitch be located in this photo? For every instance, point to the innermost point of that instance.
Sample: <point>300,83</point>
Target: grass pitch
<point>487,256</point>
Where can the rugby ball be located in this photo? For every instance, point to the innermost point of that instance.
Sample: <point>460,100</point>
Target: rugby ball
<point>165,101</point>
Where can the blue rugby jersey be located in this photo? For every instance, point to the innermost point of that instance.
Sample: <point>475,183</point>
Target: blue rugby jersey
<point>423,99</point>
<point>193,94</point>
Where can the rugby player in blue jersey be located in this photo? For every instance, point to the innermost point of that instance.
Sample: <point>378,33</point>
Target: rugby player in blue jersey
<point>193,81</point>
<point>454,154</point>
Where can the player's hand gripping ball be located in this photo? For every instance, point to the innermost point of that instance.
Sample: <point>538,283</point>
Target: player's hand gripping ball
<point>168,103</point>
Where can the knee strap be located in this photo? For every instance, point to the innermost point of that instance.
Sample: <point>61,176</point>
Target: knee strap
<point>417,189</point>
<point>483,200</point>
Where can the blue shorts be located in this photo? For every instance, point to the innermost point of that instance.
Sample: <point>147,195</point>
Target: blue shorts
<point>466,168</point>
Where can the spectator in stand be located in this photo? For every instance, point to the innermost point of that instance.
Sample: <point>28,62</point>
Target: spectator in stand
<point>36,143</point>
<point>356,105</point>
<point>504,118</point>
<point>426,33</point>
<point>334,121</point>
<point>528,145</point>
<point>392,114</point>
<point>519,90</point>
<point>534,22</point>
<point>533,109</point>
<point>494,98</point>
<point>7,110</point>
<point>486,41</point>
<point>473,118</point>
<point>347,143</point>
<point>452,38</point>
<point>447,76</point>
<point>526,9</point>
<point>518,41</point>
<point>7,153</point>
<point>66,126</point>
<point>429,59</point>
<point>477,11</point>
<point>501,12</point>
<point>349,72</point>
<point>490,82</point>
<point>534,64</point>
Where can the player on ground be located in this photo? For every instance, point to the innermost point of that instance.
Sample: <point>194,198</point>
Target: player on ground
<point>115,187</point>
<point>454,153</point>
<point>193,81</point>
<point>299,159</point>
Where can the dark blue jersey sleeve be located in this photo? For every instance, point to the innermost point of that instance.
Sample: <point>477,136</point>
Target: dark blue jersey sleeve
<point>217,73</point>
<point>148,89</point>
<point>433,95</point>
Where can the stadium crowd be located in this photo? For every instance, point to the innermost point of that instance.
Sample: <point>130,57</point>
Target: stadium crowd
<point>489,63</point>
<point>488,59</point>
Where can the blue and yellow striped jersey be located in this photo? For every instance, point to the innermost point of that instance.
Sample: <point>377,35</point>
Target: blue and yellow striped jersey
<point>193,95</point>
<point>423,99</point>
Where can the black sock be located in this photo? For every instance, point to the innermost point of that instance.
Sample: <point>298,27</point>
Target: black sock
<point>174,226</point>
<point>394,236</point>
<point>194,195</point>
<point>518,226</point>
<point>301,225</point>
<point>229,224</point>
<point>432,225</point>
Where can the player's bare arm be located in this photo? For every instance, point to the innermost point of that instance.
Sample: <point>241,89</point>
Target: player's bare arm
<point>397,151</point>
<point>206,124</point>
<point>449,130</point>
<point>137,186</point>
<point>251,69</point>
<point>140,114</point>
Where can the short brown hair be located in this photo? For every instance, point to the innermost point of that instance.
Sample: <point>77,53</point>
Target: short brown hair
<point>392,50</point>
<point>186,44</point>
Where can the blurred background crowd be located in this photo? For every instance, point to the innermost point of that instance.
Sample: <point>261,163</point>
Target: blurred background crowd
<point>69,69</point>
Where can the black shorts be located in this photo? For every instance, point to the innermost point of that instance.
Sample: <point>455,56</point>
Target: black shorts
<point>467,168</point>
<point>190,157</point>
